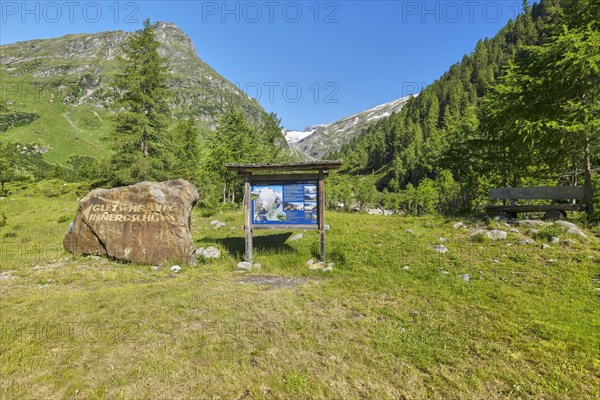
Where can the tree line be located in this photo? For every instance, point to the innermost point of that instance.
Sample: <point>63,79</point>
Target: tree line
<point>521,110</point>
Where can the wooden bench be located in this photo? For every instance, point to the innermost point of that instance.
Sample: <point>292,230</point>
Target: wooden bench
<point>555,193</point>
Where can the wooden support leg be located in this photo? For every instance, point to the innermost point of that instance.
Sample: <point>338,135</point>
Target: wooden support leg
<point>321,214</point>
<point>248,217</point>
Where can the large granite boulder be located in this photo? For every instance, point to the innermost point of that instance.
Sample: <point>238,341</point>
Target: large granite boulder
<point>148,222</point>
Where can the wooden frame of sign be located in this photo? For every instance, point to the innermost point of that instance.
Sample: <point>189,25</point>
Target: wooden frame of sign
<point>284,172</point>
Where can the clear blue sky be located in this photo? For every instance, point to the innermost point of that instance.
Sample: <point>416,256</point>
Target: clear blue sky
<point>344,56</point>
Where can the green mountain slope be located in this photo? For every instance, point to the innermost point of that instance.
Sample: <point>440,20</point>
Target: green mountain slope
<point>66,83</point>
<point>429,134</point>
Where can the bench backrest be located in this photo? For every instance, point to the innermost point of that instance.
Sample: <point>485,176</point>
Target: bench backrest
<point>540,192</point>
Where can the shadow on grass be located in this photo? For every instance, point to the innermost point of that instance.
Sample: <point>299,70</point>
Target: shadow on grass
<point>236,245</point>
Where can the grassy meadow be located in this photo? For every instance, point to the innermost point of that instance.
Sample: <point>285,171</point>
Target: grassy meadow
<point>525,326</point>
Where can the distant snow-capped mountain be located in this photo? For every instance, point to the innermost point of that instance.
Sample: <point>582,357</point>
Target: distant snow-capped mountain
<point>317,141</point>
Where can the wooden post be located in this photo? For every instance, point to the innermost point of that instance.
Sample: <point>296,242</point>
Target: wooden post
<point>587,171</point>
<point>321,214</point>
<point>248,212</point>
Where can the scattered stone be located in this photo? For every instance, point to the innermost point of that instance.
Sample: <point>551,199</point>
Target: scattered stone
<point>465,277</point>
<point>566,224</point>
<point>496,235</point>
<point>375,211</point>
<point>175,268</point>
<point>534,222</point>
<point>514,230</point>
<point>503,255</point>
<point>245,265</point>
<point>527,241</point>
<point>546,246</point>
<point>501,218</point>
<point>495,260</point>
<point>459,225</point>
<point>406,268</point>
<point>552,260</point>
<point>567,242</point>
<point>328,268</point>
<point>478,232</point>
<point>443,240</point>
<point>211,252</point>
<point>440,248</point>
<point>598,289</point>
<point>533,231</point>
<point>445,273</point>
<point>297,236</point>
<point>554,240</point>
<point>125,223</point>
<point>408,231</point>
<point>256,266</point>
<point>155,268</point>
<point>310,262</point>
<point>6,275</point>
<point>217,224</point>
<point>576,232</point>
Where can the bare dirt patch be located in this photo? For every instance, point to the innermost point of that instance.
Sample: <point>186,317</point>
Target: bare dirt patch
<point>274,281</point>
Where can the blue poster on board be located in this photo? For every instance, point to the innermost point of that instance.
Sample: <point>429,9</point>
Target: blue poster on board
<point>284,203</point>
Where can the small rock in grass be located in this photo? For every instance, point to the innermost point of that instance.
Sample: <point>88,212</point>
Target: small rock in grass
<point>478,232</point>
<point>445,273</point>
<point>566,224</point>
<point>527,241</point>
<point>534,222</point>
<point>328,268</point>
<point>546,246</point>
<point>459,225</point>
<point>406,268</point>
<point>175,268</point>
<point>310,262</point>
<point>598,289</point>
<point>576,232</point>
<point>217,224</point>
<point>554,240</point>
<point>408,231</point>
<point>465,277</point>
<point>514,230</point>
<point>155,268</point>
<point>245,265</point>
<point>552,260</point>
<point>501,218</point>
<point>533,231</point>
<point>211,252</point>
<point>440,248</point>
<point>443,240</point>
<point>496,235</point>
<point>297,236</point>
<point>567,242</point>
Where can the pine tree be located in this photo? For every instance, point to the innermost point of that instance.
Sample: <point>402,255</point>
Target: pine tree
<point>140,139</point>
<point>189,156</point>
<point>549,99</point>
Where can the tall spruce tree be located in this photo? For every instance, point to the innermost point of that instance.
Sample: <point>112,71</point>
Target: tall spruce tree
<point>549,99</point>
<point>141,140</point>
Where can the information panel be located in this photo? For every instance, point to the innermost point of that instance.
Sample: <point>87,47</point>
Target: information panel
<point>284,203</point>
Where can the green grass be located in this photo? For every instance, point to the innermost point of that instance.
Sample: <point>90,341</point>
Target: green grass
<point>522,327</point>
<point>66,131</point>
